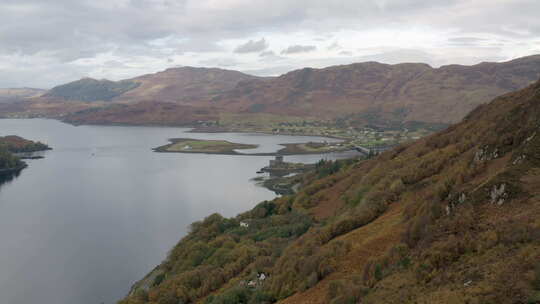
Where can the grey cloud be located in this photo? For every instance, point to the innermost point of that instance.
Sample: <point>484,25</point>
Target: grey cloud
<point>334,46</point>
<point>62,31</point>
<point>345,53</point>
<point>295,49</point>
<point>223,62</point>
<point>384,56</point>
<point>466,41</point>
<point>271,57</point>
<point>267,54</point>
<point>252,46</point>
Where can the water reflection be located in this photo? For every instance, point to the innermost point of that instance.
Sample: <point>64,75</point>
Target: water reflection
<point>7,178</point>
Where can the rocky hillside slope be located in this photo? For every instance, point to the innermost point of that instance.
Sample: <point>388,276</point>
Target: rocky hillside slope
<point>451,218</point>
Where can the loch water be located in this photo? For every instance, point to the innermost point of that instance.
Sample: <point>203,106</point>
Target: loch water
<point>102,209</point>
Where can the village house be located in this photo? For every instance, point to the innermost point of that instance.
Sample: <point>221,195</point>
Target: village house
<point>276,162</point>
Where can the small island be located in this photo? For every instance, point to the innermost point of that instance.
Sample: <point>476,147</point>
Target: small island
<point>190,145</point>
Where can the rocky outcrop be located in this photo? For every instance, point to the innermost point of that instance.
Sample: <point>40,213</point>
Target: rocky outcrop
<point>498,194</point>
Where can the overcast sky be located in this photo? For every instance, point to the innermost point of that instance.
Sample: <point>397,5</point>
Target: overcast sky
<point>49,42</point>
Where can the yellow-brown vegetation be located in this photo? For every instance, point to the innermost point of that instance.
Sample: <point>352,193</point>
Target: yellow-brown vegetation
<point>452,218</point>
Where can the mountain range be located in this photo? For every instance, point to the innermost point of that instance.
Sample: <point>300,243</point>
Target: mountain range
<point>366,92</point>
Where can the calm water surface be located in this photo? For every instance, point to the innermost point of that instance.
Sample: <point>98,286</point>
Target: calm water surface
<point>101,210</point>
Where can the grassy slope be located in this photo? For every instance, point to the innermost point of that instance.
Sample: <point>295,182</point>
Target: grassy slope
<point>452,218</point>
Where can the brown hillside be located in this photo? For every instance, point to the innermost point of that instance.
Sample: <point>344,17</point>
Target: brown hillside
<point>464,226</point>
<point>367,92</point>
<point>406,92</point>
<point>149,112</point>
<point>184,85</point>
<point>161,98</point>
<point>452,218</point>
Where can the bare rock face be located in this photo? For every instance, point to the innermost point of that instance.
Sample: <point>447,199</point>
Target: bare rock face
<point>485,154</point>
<point>498,194</point>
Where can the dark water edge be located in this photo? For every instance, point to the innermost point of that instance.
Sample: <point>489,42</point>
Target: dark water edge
<point>8,175</point>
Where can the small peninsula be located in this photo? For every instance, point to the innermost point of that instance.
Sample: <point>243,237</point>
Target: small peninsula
<point>12,151</point>
<point>17,144</point>
<point>190,145</point>
<point>223,147</point>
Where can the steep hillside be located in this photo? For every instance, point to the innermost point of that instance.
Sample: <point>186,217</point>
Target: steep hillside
<point>363,93</point>
<point>88,89</point>
<point>451,218</point>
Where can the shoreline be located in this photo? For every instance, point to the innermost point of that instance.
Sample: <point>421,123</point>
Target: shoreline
<point>193,128</point>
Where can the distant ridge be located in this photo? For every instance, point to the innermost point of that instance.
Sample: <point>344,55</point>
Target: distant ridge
<point>368,93</point>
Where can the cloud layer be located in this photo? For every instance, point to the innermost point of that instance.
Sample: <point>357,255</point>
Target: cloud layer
<point>252,46</point>
<point>44,43</point>
<point>295,49</point>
